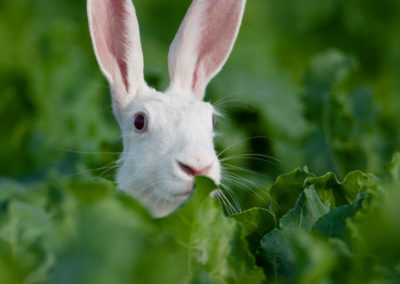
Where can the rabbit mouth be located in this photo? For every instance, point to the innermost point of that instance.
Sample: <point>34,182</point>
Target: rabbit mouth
<point>183,194</point>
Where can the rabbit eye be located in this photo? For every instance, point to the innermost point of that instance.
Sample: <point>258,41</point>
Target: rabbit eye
<point>214,120</point>
<point>140,122</point>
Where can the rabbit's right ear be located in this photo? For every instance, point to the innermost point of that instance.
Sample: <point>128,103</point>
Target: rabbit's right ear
<point>115,35</point>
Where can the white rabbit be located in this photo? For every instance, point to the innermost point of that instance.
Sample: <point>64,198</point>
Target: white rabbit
<point>167,137</point>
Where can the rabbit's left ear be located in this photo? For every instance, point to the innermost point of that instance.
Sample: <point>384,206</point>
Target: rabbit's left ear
<point>203,43</point>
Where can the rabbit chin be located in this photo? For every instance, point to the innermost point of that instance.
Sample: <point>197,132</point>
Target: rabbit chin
<point>162,196</point>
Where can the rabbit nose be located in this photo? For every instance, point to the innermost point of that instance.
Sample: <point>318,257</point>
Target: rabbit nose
<point>193,171</point>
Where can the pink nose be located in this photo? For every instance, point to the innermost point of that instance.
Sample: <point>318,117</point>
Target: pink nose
<point>193,171</point>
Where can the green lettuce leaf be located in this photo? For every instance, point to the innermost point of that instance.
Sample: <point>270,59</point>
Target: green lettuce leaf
<point>92,233</point>
<point>256,222</point>
<point>286,189</point>
<point>337,193</point>
<point>277,252</point>
<point>333,224</point>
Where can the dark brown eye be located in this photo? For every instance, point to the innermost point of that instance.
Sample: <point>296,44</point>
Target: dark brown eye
<point>214,120</point>
<point>140,122</point>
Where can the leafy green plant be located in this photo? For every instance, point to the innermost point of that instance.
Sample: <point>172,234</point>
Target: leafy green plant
<point>77,231</point>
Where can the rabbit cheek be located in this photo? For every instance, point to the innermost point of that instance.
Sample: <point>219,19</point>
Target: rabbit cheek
<point>188,190</point>
<point>190,186</point>
<point>215,172</point>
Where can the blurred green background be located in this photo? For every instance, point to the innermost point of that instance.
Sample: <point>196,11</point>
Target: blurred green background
<point>309,82</point>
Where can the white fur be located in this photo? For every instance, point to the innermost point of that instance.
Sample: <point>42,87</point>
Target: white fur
<point>180,128</point>
<point>179,123</point>
<point>184,52</point>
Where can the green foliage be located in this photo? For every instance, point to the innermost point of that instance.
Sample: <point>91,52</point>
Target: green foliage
<point>320,241</point>
<point>394,167</point>
<point>93,234</point>
<point>78,231</point>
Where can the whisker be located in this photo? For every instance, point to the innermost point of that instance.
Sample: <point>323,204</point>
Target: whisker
<point>246,184</point>
<point>221,200</point>
<point>232,167</point>
<point>233,197</point>
<point>235,175</point>
<point>229,159</point>
<point>92,170</point>
<point>251,155</point>
<point>228,205</point>
<point>241,141</point>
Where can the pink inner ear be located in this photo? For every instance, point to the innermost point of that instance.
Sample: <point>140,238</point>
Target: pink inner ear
<point>109,30</point>
<point>220,25</point>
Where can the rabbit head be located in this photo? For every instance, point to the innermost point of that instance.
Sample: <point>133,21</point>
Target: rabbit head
<point>167,137</point>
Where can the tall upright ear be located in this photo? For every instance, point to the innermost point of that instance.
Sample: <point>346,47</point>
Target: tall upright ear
<point>115,35</point>
<point>203,43</point>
